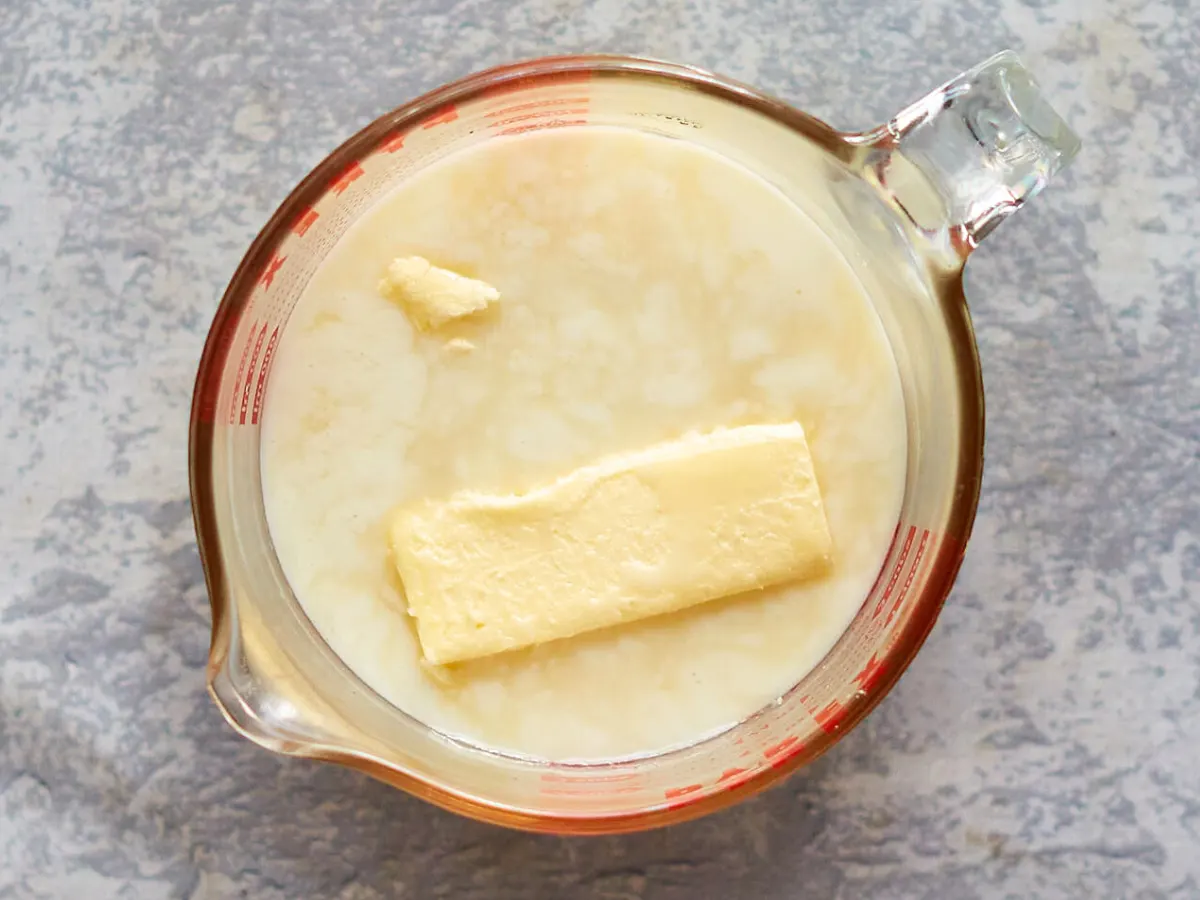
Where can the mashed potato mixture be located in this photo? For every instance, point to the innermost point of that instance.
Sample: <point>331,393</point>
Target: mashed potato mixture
<point>648,289</point>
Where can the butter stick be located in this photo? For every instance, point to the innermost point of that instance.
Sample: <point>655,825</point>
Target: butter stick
<point>631,536</point>
<point>434,296</point>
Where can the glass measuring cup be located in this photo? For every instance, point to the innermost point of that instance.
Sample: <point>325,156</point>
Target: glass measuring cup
<point>904,203</point>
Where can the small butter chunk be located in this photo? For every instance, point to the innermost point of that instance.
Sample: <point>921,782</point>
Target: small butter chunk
<point>631,536</point>
<point>433,296</point>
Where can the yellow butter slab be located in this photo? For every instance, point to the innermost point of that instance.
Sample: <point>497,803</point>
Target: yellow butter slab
<point>433,296</point>
<point>631,536</point>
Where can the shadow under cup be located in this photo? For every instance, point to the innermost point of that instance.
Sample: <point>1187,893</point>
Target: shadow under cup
<point>278,682</point>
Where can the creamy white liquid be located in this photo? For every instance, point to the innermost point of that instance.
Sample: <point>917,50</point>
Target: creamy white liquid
<point>648,288</point>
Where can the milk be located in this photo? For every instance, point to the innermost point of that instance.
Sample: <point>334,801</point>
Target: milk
<point>649,288</point>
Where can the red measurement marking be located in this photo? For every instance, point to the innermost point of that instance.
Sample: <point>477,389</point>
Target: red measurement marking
<point>449,114</point>
<point>908,539</point>
<point>548,105</point>
<point>911,573</point>
<point>731,773</point>
<point>775,749</point>
<point>273,266</point>
<point>393,143</point>
<point>549,123</point>
<point>241,371</point>
<point>870,673</point>
<point>262,375</point>
<point>245,407</point>
<point>353,172</point>
<point>305,222</point>
<point>830,717</point>
<point>672,793</point>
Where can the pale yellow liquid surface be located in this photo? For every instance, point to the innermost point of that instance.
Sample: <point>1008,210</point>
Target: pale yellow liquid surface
<point>648,288</point>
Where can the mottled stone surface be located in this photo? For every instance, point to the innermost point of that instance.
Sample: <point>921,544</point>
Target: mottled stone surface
<point>1045,742</point>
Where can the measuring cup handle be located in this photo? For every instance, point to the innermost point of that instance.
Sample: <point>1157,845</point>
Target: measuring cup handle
<point>959,161</point>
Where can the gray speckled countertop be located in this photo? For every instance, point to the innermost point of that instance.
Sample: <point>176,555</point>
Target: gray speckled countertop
<point>1044,744</point>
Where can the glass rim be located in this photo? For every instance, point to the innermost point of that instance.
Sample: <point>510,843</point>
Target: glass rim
<point>943,566</point>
